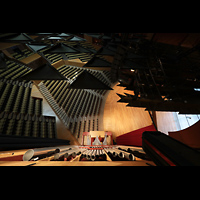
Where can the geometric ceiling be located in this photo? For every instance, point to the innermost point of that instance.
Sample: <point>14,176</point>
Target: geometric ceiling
<point>16,38</point>
<point>37,46</point>
<point>61,48</point>
<point>87,81</point>
<point>97,62</point>
<point>44,72</point>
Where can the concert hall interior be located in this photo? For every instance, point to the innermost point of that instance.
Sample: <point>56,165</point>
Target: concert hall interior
<point>99,99</point>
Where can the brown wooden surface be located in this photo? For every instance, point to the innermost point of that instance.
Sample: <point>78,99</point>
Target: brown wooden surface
<point>30,58</point>
<point>76,163</point>
<point>120,119</point>
<point>74,62</point>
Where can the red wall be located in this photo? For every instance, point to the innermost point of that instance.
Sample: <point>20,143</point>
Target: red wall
<point>133,138</point>
<point>189,136</point>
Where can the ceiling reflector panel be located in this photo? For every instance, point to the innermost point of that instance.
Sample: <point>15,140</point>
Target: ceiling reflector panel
<point>87,81</point>
<point>44,72</point>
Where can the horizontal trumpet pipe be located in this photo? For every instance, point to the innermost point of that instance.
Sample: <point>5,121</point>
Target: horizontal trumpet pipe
<point>66,153</point>
<point>126,155</point>
<point>112,151</point>
<point>72,152</point>
<point>85,153</point>
<point>131,148</point>
<point>31,153</point>
<point>97,153</point>
<point>89,154</point>
<point>93,155</point>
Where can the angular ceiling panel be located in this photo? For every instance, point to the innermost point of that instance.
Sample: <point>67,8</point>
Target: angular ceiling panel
<point>76,38</point>
<point>61,48</point>
<point>55,38</point>
<point>97,62</point>
<point>41,34</point>
<point>105,51</point>
<point>81,49</point>
<point>44,72</point>
<point>64,35</point>
<point>37,47</point>
<point>17,38</point>
<point>87,81</point>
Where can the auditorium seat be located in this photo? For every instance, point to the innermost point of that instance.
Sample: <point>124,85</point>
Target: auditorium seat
<point>84,57</point>
<point>28,125</point>
<point>25,99</point>
<point>20,113</point>
<point>38,106</point>
<point>53,57</point>
<point>21,54</point>
<point>14,70</point>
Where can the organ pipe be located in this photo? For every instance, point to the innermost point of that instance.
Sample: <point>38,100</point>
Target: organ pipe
<point>74,153</point>
<point>41,152</point>
<point>97,153</point>
<point>66,147</point>
<point>135,151</point>
<point>67,153</point>
<point>32,153</point>
<point>93,156</point>
<point>112,151</point>
<point>89,154</point>
<point>130,147</point>
<point>85,153</point>
<point>123,154</point>
<point>93,153</point>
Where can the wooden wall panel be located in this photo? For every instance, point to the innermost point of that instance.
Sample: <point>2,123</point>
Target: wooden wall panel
<point>120,119</point>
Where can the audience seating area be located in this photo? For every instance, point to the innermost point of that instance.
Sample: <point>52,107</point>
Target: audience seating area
<point>20,124</point>
<point>77,108</point>
<point>21,54</point>
<point>84,57</point>
<point>20,113</point>
<point>14,71</point>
